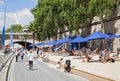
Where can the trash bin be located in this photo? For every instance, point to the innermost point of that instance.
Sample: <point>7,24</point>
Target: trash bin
<point>68,66</point>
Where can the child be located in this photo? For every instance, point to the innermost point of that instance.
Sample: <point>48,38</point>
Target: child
<point>58,65</point>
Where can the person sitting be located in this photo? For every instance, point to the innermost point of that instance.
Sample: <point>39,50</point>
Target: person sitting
<point>111,59</point>
<point>76,52</point>
<point>45,57</point>
<point>89,55</point>
<point>117,55</point>
<point>63,50</point>
<point>95,52</point>
<point>71,53</point>
<point>106,57</point>
<point>102,57</point>
<point>60,64</point>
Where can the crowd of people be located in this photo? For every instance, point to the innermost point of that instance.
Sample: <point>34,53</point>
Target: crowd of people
<point>104,55</point>
<point>88,54</point>
<point>84,53</point>
<point>30,55</point>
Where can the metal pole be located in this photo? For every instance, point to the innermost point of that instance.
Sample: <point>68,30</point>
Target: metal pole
<point>33,39</point>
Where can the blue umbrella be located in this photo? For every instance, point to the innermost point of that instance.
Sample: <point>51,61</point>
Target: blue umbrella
<point>33,45</point>
<point>111,36</point>
<point>97,35</point>
<point>43,44</point>
<point>64,40</point>
<point>51,43</point>
<point>37,44</point>
<point>79,39</point>
<point>118,36</point>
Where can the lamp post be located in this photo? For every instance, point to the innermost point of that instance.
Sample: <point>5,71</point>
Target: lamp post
<point>34,32</point>
<point>33,39</point>
<point>25,37</point>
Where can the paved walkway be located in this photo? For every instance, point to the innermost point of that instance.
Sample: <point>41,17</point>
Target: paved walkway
<point>108,70</point>
<point>42,71</point>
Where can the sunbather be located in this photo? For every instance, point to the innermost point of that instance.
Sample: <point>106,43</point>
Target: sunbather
<point>106,57</point>
<point>117,55</point>
<point>102,58</point>
<point>89,55</point>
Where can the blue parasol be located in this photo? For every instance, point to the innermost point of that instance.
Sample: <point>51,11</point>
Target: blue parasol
<point>97,35</point>
<point>79,39</point>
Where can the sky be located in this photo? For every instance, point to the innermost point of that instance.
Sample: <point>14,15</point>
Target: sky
<point>17,12</point>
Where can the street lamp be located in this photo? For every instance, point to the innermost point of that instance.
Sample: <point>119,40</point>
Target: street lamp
<point>33,39</point>
<point>25,37</point>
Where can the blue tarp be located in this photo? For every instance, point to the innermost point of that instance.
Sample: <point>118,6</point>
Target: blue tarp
<point>79,39</point>
<point>97,35</point>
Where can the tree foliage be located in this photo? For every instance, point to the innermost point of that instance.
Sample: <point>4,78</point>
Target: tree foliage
<point>53,16</point>
<point>16,28</point>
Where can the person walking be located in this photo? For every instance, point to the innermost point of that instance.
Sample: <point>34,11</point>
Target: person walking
<point>30,58</point>
<point>22,55</point>
<point>17,54</point>
<point>35,54</point>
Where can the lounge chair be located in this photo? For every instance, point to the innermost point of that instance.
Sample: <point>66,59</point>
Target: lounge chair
<point>116,56</point>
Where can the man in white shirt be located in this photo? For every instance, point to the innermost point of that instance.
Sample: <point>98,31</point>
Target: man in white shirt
<point>30,59</point>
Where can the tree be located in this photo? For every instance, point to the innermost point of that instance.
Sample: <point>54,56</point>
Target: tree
<point>25,37</point>
<point>53,16</point>
<point>104,10</point>
<point>16,28</point>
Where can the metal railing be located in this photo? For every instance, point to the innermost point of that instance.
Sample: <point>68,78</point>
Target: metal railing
<point>5,63</point>
<point>4,59</point>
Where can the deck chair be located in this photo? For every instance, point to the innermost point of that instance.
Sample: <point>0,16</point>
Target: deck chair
<point>116,56</point>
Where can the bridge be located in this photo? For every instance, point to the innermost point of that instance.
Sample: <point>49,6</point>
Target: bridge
<point>19,38</point>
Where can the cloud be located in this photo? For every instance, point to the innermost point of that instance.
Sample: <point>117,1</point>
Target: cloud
<point>23,17</point>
